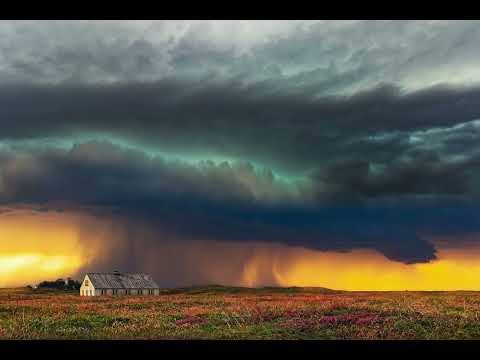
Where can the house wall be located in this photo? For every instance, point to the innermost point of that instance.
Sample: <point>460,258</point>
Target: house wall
<point>87,288</point>
<point>91,291</point>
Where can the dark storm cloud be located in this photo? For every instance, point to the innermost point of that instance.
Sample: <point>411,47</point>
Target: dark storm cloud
<point>213,202</point>
<point>425,174</point>
<point>287,131</point>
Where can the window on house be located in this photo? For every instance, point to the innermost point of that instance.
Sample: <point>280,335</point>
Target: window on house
<point>86,282</point>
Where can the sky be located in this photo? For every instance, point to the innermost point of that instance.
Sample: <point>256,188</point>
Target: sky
<point>341,154</point>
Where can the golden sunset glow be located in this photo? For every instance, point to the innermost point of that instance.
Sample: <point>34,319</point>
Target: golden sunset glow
<point>25,268</point>
<point>367,270</point>
<point>37,247</point>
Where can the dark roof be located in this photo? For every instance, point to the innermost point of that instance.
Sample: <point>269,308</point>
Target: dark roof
<point>122,281</point>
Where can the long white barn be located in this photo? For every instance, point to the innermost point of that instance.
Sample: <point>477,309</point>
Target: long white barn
<point>117,284</point>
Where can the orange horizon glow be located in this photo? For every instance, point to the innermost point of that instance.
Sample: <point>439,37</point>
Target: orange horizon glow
<point>364,270</point>
<point>35,247</point>
<point>25,268</point>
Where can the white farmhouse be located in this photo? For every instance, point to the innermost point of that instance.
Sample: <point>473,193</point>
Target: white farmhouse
<point>98,284</point>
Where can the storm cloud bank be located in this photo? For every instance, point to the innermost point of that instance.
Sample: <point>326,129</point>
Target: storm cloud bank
<point>226,202</point>
<point>258,142</point>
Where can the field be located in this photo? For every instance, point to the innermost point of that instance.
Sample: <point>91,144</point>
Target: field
<point>216,312</point>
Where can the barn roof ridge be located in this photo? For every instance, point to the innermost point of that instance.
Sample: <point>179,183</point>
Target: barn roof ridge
<point>122,281</point>
<point>115,273</point>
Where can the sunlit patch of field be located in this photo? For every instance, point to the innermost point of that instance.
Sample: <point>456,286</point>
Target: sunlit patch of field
<point>238,313</point>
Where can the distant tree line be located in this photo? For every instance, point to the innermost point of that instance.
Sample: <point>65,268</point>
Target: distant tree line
<point>60,284</point>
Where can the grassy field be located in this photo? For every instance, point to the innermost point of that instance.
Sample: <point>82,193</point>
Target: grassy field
<point>235,313</point>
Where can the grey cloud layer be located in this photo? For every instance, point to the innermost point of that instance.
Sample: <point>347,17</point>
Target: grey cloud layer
<point>328,56</point>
